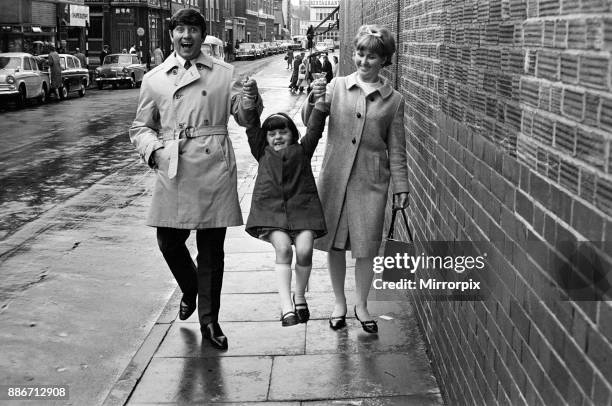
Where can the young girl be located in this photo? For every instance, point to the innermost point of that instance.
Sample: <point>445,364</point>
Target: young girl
<point>285,209</point>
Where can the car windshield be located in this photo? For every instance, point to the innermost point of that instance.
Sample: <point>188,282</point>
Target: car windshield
<point>10,62</point>
<point>127,59</point>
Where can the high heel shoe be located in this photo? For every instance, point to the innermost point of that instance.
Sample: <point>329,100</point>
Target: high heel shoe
<point>369,326</point>
<point>301,310</point>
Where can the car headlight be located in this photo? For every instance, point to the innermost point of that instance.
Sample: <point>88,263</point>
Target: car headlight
<point>10,80</point>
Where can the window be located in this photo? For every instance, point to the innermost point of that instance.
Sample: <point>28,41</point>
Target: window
<point>26,64</point>
<point>95,27</point>
<point>77,63</point>
<point>135,59</point>
<point>33,64</point>
<point>63,63</point>
<point>70,63</point>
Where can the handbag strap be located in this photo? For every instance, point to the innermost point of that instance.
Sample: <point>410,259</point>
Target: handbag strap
<point>392,225</point>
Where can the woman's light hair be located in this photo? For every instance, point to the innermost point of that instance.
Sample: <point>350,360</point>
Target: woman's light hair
<point>377,39</point>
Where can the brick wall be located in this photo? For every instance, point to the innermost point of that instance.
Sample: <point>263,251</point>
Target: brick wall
<point>508,122</point>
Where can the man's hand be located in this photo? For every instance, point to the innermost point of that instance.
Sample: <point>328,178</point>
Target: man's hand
<point>249,88</point>
<point>318,89</point>
<point>161,162</point>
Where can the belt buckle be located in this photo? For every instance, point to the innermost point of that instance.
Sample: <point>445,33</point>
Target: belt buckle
<point>188,132</point>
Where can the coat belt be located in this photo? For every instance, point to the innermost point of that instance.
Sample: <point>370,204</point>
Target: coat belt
<point>171,141</point>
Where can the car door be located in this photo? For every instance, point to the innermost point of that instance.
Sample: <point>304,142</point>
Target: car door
<point>69,73</point>
<point>39,76</point>
<point>29,77</point>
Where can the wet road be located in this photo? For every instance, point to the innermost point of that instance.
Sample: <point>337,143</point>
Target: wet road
<point>52,152</point>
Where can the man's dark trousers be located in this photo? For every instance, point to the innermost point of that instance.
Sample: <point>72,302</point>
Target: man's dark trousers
<point>206,279</point>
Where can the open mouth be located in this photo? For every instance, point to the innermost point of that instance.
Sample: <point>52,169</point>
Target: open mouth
<point>186,45</point>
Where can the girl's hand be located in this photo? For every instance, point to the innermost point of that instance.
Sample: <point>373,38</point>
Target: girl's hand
<point>400,200</point>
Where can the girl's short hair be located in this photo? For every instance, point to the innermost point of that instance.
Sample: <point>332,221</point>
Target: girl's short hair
<point>279,121</point>
<point>377,39</point>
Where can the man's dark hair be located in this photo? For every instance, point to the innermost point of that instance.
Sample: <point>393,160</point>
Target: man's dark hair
<point>188,16</point>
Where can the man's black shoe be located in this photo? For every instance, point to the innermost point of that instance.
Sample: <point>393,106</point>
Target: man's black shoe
<point>213,333</point>
<point>186,308</point>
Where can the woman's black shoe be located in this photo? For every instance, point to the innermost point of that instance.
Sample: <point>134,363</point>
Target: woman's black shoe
<point>301,310</point>
<point>289,319</point>
<point>369,326</point>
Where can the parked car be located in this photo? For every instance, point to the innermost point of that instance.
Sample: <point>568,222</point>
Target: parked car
<point>75,78</point>
<point>330,44</point>
<point>120,69</point>
<point>21,79</point>
<point>247,50</point>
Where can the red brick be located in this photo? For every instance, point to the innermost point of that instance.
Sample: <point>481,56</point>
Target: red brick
<point>600,352</point>
<point>586,221</point>
<point>593,71</point>
<point>569,68</point>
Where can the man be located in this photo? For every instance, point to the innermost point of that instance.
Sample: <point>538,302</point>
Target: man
<point>55,73</point>
<point>81,57</point>
<point>180,129</point>
<point>327,69</point>
<point>105,51</point>
<point>133,49</point>
<point>158,56</point>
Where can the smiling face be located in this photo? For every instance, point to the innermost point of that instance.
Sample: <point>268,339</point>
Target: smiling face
<point>187,40</point>
<point>279,139</point>
<point>368,64</point>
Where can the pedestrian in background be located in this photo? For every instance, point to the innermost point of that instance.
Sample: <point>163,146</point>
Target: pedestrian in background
<point>158,56</point>
<point>180,130</point>
<point>297,61</point>
<point>366,148</point>
<point>285,208</point>
<point>81,57</point>
<point>289,58</point>
<point>105,51</point>
<point>327,69</point>
<point>55,72</point>
<point>335,66</point>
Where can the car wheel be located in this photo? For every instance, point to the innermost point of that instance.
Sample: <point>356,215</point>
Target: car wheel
<point>114,85</point>
<point>21,97</point>
<point>63,92</point>
<point>100,85</point>
<point>82,89</point>
<point>42,99</point>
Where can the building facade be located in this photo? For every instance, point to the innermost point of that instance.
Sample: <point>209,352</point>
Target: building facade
<point>32,25</point>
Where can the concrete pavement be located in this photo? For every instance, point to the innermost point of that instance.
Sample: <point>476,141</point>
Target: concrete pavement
<point>307,364</point>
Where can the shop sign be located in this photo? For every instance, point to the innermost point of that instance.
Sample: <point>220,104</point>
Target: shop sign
<point>79,15</point>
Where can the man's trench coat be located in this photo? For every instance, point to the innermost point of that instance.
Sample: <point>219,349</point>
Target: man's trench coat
<point>186,113</point>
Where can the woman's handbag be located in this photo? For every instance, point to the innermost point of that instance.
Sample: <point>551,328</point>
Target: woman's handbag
<point>394,247</point>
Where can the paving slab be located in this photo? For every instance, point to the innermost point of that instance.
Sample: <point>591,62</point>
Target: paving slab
<point>412,400</point>
<point>245,338</point>
<point>204,380</point>
<point>346,375</point>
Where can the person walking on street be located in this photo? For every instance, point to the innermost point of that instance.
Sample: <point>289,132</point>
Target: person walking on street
<point>289,58</point>
<point>285,208</point>
<point>297,61</point>
<point>55,72</point>
<point>334,66</point>
<point>366,148</point>
<point>81,57</point>
<point>180,130</point>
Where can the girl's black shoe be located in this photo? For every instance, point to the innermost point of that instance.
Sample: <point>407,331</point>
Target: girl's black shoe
<point>301,310</point>
<point>289,319</point>
<point>338,322</point>
<point>369,326</point>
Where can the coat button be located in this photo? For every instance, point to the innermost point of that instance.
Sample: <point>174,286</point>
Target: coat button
<point>353,140</point>
<point>358,115</point>
<point>178,96</point>
<point>371,98</point>
<point>207,150</point>
<point>203,92</point>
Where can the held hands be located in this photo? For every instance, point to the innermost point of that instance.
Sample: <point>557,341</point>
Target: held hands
<point>318,89</point>
<point>249,88</point>
<point>400,200</point>
<point>161,164</point>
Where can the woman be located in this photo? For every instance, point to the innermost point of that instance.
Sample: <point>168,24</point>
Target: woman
<point>365,149</point>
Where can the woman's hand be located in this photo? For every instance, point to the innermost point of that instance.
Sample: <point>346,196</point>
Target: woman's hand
<point>400,200</point>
